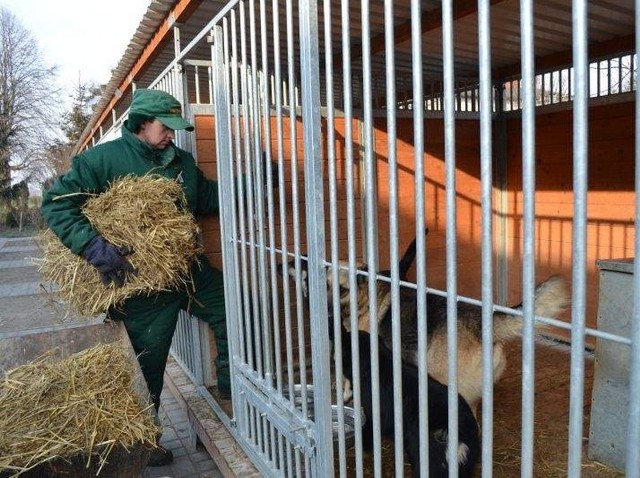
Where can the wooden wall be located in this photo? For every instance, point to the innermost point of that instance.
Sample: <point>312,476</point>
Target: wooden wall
<point>468,208</point>
<point>610,199</point>
<point>205,153</point>
<point>611,195</point>
<point>206,157</point>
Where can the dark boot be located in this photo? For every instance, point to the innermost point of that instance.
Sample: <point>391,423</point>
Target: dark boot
<point>160,456</point>
<point>224,378</point>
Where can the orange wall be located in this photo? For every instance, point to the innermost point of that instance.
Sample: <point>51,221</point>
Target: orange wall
<point>468,212</point>
<point>610,198</point>
<point>206,156</point>
<point>611,194</point>
<point>610,231</point>
<point>205,152</point>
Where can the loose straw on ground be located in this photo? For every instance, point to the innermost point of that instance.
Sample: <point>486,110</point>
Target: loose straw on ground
<point>147,214</point>
<point>85,404</point>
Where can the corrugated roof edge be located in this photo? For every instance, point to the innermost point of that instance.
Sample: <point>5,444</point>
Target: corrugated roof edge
<point>156,13</point>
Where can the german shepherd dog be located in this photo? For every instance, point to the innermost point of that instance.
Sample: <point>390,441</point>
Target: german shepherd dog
<point>551,298</point>
<point>403,267</point>
<point>468,430</point>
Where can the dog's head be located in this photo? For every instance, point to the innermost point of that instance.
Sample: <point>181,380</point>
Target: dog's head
<point>289,270</point>
<point>341,279</point>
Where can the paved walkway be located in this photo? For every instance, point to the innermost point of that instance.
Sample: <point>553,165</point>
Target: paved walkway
<point>26,304</point>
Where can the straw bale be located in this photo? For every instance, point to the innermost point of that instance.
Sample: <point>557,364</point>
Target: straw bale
<point>147,214</point>
<point>84,405</point>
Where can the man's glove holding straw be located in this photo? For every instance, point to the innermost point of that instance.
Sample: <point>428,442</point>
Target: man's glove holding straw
<point>144,215</point>
<point>109,260</point>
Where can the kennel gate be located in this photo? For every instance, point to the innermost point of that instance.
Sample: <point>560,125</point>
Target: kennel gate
<point>253,96</point>
<point>281,437</point>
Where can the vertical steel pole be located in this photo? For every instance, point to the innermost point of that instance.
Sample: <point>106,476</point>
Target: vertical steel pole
<point>333,205</point>
<point>392,157</point>
<point>421,272</point>
<point>579,277</point>
<point>486,168</point>
<point>528,255</point>
<point>310,72</point>
<point>633,442</point>
<point>452,233</point>
<point>225,175</point>
<point>370,197</point>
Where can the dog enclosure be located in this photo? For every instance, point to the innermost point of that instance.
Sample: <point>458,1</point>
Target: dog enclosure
<point>501,136</point>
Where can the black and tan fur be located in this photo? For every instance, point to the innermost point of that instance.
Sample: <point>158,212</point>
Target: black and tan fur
<point>438,408</point>
<point>551,298</point>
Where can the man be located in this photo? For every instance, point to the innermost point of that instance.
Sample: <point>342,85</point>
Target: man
<point>146,146</point>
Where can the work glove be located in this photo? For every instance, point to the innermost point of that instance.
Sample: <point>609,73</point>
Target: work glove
<point>109,260</point>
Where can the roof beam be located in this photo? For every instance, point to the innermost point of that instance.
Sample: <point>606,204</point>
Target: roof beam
<point>431,20</point>
<point>622,45</point>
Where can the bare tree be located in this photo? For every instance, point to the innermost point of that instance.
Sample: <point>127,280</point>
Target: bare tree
<point>28,102</point>
<point>55,159</point>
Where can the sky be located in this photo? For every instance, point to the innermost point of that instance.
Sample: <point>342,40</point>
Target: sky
<point>84,38</point>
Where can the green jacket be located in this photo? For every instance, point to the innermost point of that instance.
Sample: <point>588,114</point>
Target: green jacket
<point>92,170</point>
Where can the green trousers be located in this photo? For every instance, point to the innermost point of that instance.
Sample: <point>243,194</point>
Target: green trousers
<point>151,321</point>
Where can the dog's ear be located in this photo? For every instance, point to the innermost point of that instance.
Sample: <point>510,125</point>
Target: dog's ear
<point>361,278</point>
<point>304,283</point>
<point>289,270</point>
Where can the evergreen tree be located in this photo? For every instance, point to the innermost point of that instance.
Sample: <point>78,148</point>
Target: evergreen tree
<point>84,99</point>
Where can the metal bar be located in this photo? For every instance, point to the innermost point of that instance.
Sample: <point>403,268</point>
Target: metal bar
<point>633,431</point>
<point>579,276</point>
<point>196,78</point>
<point>254,342</point>
<point>225,173</point>
<point>451,231</point>
<point>310,59</point>
<point>263,289</point>
<point>283,216</point>
<point>243,301</point>
<point>333,213</point>
<point>272,314</point>
<point>291,72</point>
<point>501,197</point>
<point>272,333</point>
<point>486,168</point>
<point>351,233</point>
<point>421,275</point>
<point>210,84</point>
<point>240,226</point>
<point>281,189</point>
<point>528,272</point>
<point>371,235</point>
<point>632,467</point>
<point>393,233</point>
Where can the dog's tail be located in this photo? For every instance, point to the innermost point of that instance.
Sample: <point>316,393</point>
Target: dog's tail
<point>408,258</point>
<point>551,299</point>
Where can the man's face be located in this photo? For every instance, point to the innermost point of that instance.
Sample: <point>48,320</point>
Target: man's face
<point>155,134</point>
